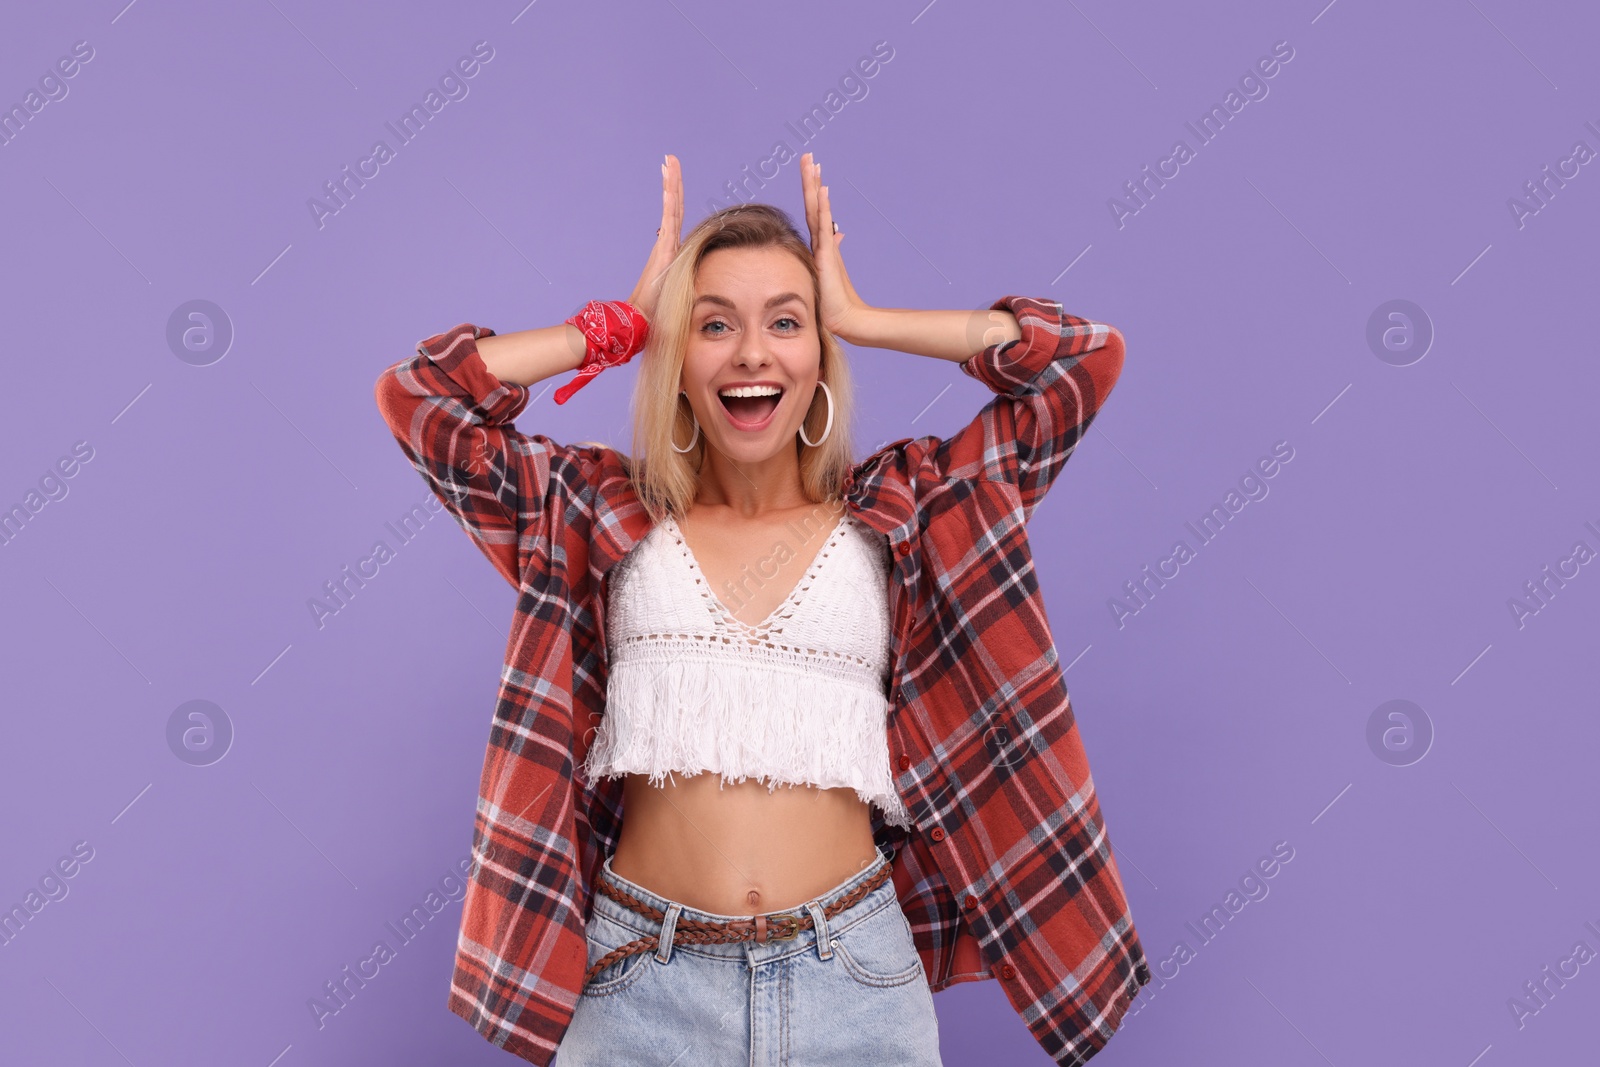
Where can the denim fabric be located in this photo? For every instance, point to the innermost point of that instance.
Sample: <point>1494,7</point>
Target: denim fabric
<point>856,995</point>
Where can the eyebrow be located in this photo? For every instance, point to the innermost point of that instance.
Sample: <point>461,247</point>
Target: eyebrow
<point>781,298</point>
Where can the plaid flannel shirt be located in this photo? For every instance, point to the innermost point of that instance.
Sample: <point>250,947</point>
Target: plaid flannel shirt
<point>1009,872</point>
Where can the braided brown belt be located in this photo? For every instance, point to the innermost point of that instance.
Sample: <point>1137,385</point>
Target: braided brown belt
<point>758,928</point>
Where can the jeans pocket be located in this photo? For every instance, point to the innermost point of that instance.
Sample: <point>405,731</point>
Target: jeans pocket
<point>604,936</point>
<point>878,951</point>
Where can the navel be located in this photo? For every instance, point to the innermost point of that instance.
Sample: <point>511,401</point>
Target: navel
<point>754,897</point>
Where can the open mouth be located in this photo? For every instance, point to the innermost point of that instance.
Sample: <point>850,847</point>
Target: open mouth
<point>750,407</point>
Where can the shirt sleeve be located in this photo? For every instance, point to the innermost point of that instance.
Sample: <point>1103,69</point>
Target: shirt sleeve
<point>1050,384</point>
<point>453,420</point>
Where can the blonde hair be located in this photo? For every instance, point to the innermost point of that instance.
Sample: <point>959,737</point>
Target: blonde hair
<point>666,480</point>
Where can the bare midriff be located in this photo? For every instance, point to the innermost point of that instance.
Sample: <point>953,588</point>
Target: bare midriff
<point>738,849</point>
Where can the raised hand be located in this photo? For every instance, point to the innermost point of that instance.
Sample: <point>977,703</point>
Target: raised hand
<point>841,307</point>
<point>667,240</point>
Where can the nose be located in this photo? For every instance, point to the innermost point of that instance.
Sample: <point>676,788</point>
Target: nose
<point>753,351</point>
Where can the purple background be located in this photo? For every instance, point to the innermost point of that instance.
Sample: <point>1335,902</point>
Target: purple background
<point>1231,713</point>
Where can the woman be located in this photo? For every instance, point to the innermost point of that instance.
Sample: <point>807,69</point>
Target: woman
<point>823,692</point>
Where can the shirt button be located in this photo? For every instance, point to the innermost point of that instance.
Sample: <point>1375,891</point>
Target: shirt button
<point>1007,971</point>
<point>938,833</point>
<point>905,762</point>
<point>905,548</point>
<point>970,903</point>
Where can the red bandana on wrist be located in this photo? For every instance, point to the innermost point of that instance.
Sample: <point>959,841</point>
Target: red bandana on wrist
<point>613,332</point>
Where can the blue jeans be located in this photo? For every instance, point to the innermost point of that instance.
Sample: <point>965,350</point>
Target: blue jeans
<point>856,994</point>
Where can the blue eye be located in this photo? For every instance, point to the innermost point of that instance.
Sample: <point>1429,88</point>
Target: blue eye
<point>794,324</point>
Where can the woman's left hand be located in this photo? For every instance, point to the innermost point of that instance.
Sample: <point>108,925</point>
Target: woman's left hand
<point>841,307</point>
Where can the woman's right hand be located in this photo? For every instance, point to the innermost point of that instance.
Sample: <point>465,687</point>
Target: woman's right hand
<point>667,240</point>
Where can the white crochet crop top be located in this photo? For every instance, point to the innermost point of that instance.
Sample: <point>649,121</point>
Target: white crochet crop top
<point>800,699</point>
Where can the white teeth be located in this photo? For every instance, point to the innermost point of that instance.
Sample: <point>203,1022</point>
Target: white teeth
<point>750,390</point>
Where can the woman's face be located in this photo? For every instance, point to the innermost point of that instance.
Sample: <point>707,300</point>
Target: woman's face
<point>751,329</point>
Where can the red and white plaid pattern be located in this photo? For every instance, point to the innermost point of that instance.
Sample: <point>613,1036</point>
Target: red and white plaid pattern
<point>1009,872</point>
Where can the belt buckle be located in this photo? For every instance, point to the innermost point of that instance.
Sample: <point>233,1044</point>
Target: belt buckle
<point>793,922</point>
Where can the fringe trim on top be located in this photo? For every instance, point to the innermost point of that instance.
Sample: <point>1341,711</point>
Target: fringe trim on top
<point>742,721</point>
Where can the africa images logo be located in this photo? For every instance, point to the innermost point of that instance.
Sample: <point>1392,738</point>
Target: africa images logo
<point>1252,487</point>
